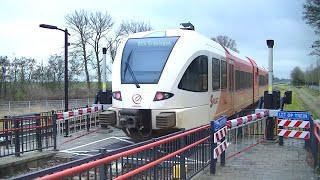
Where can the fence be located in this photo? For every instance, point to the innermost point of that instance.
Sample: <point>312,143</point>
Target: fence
<point>45,105</point>
<point>19,135</point>
<point>177,156</point>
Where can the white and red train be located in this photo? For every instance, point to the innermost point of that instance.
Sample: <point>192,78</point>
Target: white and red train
<point>163,81</point>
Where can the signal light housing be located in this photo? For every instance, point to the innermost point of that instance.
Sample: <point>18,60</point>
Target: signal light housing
<point>162,96</point>
<point>117,95</point>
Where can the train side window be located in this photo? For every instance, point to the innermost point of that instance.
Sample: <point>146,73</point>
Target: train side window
<point>223,74</point>
<point>237,80</point>
<point>215,74</point>
<point>195,78</point>
<point>250,80</point>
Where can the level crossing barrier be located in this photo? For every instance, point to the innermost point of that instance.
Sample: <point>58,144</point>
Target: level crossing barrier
<point>177,156</point>
<point>294,125</point>
<point>79,119</point>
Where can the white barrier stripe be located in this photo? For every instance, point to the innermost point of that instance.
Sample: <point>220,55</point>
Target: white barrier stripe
<point>254,117</point>
<point>305,124</point>
<point>282,122</point>
<point>244,119</point>
<point>65,115</point>
<point>75,113</point>
<point>219,149</point>
<point>234,123</point>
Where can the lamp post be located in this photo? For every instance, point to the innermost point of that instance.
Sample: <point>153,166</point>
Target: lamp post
<point>66,44</point>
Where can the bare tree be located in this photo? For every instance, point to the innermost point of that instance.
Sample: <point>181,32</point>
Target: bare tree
<point>297,76</point>
<point>131,27</point>
<point>79,22</point>
<point>311,15</point>
<point>226,41</point>
<point>125,29</point>
<point>101,25</point>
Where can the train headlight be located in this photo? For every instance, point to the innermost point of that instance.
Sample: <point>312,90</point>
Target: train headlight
<point>117,95</point>
<point>162,96</point>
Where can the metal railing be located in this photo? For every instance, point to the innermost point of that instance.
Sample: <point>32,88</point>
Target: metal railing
<point>28,106</point>
<point>19,135</point>
<point>176,156</point>
<point>159,158</point>
<point>41,132</point>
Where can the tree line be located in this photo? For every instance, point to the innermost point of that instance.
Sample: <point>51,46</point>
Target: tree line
<point>311,76</point>
<point>25,78</point>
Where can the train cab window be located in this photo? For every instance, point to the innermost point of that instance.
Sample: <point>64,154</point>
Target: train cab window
<point>215,74</point>
<point>223,74</point>
<point>195,78</point>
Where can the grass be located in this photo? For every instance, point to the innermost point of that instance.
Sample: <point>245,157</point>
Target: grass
<point>296,103</point>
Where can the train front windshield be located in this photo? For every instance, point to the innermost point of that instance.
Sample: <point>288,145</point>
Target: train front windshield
<point>143,59</point>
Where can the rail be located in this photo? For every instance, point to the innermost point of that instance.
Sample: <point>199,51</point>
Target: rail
<point>24,134</point>
<point>176,156</point>
<point>19,135</point>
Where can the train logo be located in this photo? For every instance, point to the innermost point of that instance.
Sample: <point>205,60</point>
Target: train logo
<point>136,98</point>
<point>213,101</point>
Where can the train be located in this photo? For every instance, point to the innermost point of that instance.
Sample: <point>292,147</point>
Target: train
<point>167,80</point>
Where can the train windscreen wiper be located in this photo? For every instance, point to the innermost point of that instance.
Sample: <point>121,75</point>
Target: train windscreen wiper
<point>130,70</point>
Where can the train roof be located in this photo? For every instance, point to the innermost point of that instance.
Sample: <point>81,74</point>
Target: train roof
<point>238,55</point>
<point>179,32</point>
<point>192,34</point>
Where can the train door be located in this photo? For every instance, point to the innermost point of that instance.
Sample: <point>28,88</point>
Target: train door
<point>231,85</point>
<point>215,87</point>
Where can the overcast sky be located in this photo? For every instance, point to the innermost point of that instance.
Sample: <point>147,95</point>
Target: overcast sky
<point>248,22</point>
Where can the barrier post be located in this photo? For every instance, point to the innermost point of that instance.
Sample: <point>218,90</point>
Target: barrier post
<point>218,132</point>
<point>182,160</point>
<point>17,138</point>
<point>54,129</point>
<point>280,137</point>
<point>38,135</point>
<point>223,155</point>
<point>213,161</point>
<point>102,167</point>
<point>307,141</point>
<point>6,128</point>
<point>88,122</point>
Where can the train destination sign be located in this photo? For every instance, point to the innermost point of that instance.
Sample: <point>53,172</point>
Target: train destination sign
<point>294,115</point>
